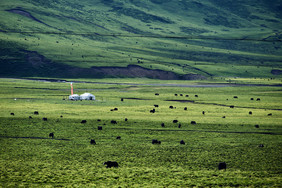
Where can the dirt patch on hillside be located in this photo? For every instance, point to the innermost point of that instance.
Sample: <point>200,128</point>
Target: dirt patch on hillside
<point>276,72</point>
<point>43,67</point>
<point>22,12</point>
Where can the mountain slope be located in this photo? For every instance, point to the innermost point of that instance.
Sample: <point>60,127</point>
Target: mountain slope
<point>74,38</point>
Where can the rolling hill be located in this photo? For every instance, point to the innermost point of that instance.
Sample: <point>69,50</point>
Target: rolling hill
<point>176,39</point>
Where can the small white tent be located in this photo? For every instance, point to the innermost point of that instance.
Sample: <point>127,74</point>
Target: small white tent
<point>87,96</point>
<point>74,97</point>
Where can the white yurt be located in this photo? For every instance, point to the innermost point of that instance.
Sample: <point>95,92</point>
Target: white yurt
<point>87,96</point>
<point>74,97</point>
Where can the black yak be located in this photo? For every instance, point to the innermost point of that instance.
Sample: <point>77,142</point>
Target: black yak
<point>100,128</point>
<point>36,113</point>
<point>193,122</point>
<point>250,112</point>
<point>182,142</point>
<point>221,166</point>
<point>118,137</point>
<point>83,121</point>
<point>12,114</point>
<point>92,142</point>
<point>113,122</point>
<point>175,121</point>
<point>163,125</point>
<point>44,119</point>
<point>51,135</point>
<point>156,105</point>
<point>185,108</point>
<point>111,164</point>
<point>154,141</point>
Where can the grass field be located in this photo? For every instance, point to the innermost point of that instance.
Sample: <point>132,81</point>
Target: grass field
<point>29,158</point>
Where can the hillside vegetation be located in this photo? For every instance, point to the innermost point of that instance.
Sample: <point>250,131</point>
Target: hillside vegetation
<point>186,39</point>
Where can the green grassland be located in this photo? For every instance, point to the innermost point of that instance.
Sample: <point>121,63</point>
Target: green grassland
<point>29,158</point>
<point>207,38</point>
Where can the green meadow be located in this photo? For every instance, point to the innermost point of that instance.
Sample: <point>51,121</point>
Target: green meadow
<point>29,158</point>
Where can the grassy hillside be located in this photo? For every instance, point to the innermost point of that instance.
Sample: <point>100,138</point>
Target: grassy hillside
<point>73,38</point>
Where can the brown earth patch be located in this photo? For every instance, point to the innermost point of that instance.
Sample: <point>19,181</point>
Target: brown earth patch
<point>44,67</point>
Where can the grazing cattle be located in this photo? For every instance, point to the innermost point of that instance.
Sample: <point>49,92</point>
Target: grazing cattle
<point>163,125</point>
<point>51,135</point>
<point>232,106</point>
<point>116,109</point>
<point>171,107</point>
<point>156,105</point>
<point>256,126</point>
<point>44,119</point>
<point>250,112</point>
<point>152,111</point>
<point>30,117</point>
<point>186,95</point>
<point>252,99</point>
<point>203,112</point>
<point>181,95</point>
<point>92,142</point>
<point>121,99</point>
<point>112,110</point>
<point>61,116</point>
<point>182,142</point>
<point>83,121</point>
<point>193,122</point>
<point>261,146</point>
<point>269,114</point>
<point>175,94</point>
<point>235,97</point>
<point>125,119</point>
<point>258,99</point>
<point>111,164</point>
<point>113,122</point>
<point>154,141</point>
<point>179,125</point>
<point>157,94</point>
<point>222,166</point>
<point>100,128</point>
<point>98,119</point>
<point>175,121</point>
<point>12,114</point>
<point>196,96</point>
<point>118,138</point>
<point>36,113</point>
<point>223,116</point>
<point>185,108</point>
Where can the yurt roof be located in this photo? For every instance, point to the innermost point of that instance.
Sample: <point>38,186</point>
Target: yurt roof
<point>86,94</point>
